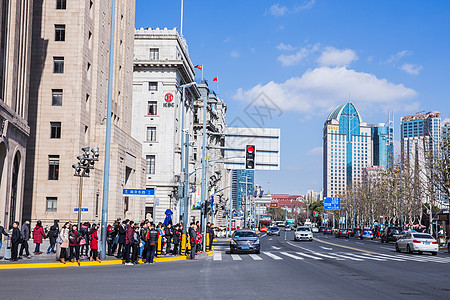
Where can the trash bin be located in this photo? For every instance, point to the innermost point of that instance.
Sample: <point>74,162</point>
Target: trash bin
<point>7,249</point>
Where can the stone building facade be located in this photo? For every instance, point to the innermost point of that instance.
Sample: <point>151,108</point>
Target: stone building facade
<point>68,100</point>
<point>15,61</point>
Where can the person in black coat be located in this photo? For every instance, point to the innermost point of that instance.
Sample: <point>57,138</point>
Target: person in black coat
<point>169,234</point>
<point>122,237</point>
<point>15,240</point>
<point>176,239</point>
<point>192,238</point>
<point>52,236</point>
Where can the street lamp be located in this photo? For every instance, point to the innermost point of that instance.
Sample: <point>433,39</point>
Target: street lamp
<point>83,167</point>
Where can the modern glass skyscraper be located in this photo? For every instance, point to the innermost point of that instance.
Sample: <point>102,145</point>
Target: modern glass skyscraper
<point>347,149</point>
<point>383,145</point>
<point>241,180</point>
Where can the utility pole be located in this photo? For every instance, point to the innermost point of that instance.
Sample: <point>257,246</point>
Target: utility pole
<point>186,183</point>
<point>203,189</point>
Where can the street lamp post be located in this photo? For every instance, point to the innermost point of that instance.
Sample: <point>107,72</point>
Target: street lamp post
<point>85,164</point>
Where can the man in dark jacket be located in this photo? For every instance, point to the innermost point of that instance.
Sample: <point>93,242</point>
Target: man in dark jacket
<point>122,234</point>
<point>152,240</point>
<point>15,240</point>
<point>25,238</point>
<point>2,232</point>
<point>192,238</point>
<point>210,230</point>
<point>128,242</point>
<point>176,239</point>
<point>169,234</point>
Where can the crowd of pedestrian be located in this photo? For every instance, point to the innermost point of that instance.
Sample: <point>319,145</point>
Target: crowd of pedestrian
<point>126,240</point>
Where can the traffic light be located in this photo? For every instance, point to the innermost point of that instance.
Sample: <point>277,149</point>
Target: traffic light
<point>250,157</point>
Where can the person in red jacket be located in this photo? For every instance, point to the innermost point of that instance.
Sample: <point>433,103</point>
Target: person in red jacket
<point>94,243</point>
<point>38,236</point>
<point>128,242</point>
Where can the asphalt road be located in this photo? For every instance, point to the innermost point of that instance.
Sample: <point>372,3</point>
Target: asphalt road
<point>327,269</point>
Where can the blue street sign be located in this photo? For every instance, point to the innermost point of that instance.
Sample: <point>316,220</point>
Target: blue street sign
<point>138,192</point>
<point>82,209</point>
<point>212,202</point>
<point>332,203</point>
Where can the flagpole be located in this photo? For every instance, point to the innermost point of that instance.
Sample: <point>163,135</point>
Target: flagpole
<point>202,73</point>
<point>181,27</point>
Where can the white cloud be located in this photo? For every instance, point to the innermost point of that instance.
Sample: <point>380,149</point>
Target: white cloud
<point>302,54</point>
<point>335,57</point>
<point>398,55</point>
<point>411,69</point>
<point>277,10</point>
<point>319,90</point>
<point>235,54</point>
<point>285,47</point>
<point>307,5</point>
<point>317,151</point>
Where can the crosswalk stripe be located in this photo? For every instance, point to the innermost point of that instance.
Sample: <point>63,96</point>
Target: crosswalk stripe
<point>367,257</point>
<point>217,255</point>
<point>348,257</point>
<point>292,256</point>
<point>425,259</point>
<point>384,257</point>
<point>255,257</point>
<point>309,256</point>
<point>236,257</point>
<point>328,256</point>
<point>272,255</point>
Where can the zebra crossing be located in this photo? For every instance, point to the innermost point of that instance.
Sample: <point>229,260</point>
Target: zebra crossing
<point>328,256</point>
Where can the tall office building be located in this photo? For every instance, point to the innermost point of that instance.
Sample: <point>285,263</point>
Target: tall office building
<point>15,62</point>
<point>383,145</point>
<point>445,130</point>
<point>347,149</point>
<point>67,111</point>
<point>242,182</point>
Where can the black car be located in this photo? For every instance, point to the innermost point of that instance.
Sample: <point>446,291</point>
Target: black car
<point>244,240</point>
<point>273,231</point>
<point>328,230</point>
<point>321,228</point>
<point>390,234</point>
<point>342,232</point>
<point>356,232</point>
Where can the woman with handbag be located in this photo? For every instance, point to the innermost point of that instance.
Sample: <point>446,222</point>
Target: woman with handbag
<point>38,236</point>
<point>74,244</point>
<point>64,236</point>
<point>94,243</point>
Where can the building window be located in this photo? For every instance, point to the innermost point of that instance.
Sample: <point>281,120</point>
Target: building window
<point>154,54</point>
<point>57,97</point>
<point>53,167</point>
<point>151,134</point>
<point>153,86</point>
<point>60,4</point>
<point>150,164</point>
<point>58,65</point>
<point>55,130</point>
<point>60,33</point>
<point>51,204</point>
<point>152,108</point>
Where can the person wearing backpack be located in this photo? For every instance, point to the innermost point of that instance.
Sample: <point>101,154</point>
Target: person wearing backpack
<point>52,235</point>
<point>38,236</point>
<point>16,238</point>
<point>143,233</point>
<point>25,230</point>
<point>152,238</point>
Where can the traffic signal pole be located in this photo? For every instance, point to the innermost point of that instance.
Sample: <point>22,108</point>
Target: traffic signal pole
<point>203,189</point>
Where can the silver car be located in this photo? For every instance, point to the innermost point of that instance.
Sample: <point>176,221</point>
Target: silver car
<point>417,242</point>
<point>303,233</point>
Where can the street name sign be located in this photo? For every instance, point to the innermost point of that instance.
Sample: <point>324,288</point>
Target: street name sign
<point>332,203</point>
<point>138,192</point>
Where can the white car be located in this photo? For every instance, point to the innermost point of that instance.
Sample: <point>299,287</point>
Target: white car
<point>303,233</point>
<point>315,229</point>
<point>417,242</point>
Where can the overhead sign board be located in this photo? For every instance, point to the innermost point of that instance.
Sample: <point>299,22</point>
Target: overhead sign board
<point>332,203</point>
<point>138,192</point>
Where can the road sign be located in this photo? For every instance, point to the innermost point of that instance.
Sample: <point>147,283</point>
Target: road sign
<point>273,204</point>
<point>332,203</point>
<point>82,209</point>
<point>168,97</point>
<point>138,192</point>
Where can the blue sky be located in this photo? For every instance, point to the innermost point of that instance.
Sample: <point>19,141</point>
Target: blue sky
<point>310,56</point>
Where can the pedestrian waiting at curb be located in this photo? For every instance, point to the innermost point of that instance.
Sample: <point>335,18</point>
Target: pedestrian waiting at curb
<point>152,238</point>
<point>74,244</point>
<point>52,236</point>
<point>2,233</point>
<point>16,239</point>
<point>94,243</point>
<point>192,239</point>
<point>25,230</point>
<point>64,235</point>
<point>38,236</point>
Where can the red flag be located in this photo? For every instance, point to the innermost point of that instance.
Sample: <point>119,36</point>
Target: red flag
<point>215,79</point>
<point>200,67</point>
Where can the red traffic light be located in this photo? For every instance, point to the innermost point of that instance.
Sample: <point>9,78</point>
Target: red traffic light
<point>250,149</point>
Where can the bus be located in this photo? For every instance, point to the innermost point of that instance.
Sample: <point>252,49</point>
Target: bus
<point>290,223</point>
<point>264,222</point>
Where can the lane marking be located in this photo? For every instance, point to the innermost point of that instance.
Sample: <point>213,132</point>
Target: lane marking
<point>293,256</point>
<point>309,256</point>
<point>255,257</point>
<point>276,248</point>
<point>236,257</point>
<point>348,257</point>
<point>328,256</point>
<point>385,257</point>
<point>386,248</point>
<point>263,235</point>
<point>347,247</point>
<point>325,248</point>
<point>359,243</point>
<point>217,255</point>
<point>271,239</point>
<point>272,255</point>
<point>366,257</point>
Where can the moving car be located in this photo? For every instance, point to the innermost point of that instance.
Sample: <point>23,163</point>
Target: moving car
<point>328,230</point>
<point>356,232</point>
<point>315,229</point>
<point>420,242</point>
<point>342,232</point>
<point>303,233</point>
<point>391,234</point>
<point>367,234</point>
<point>321,228</point>
<point>273,231</point>
<point>244,240</point>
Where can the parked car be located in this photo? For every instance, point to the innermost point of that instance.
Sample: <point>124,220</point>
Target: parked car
<point>315,229</point>
<point>244,240</point>
<point>356,232</point>
<point>303,233</point>
<point>417,242</point>
<point>328,230</point>
<point>390,234</point>
<point>273,231</point>
<point>321,228</point>
<point>342,232</point>
<point>367,234</point>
